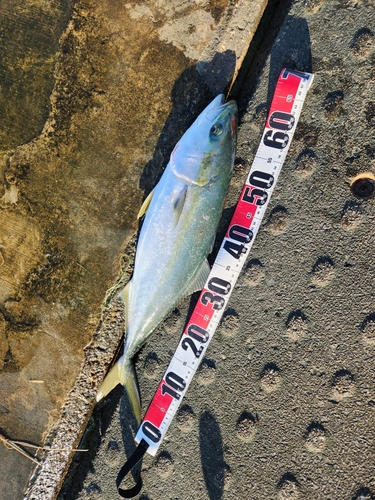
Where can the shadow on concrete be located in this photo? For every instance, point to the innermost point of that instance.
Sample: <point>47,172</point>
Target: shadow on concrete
<point>82,463</point>
<point>289,48</point>
<point>292,50</point>
<point>212,456</point>
<point>192,92</point>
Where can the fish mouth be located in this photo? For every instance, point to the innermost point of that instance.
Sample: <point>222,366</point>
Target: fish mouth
<point>218,105</point>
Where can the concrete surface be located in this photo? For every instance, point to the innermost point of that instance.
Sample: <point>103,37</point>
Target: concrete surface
<point>93,95</point>
<point>284,405</point>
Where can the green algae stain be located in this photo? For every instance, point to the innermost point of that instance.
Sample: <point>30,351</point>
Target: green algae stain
<point>29,35</point>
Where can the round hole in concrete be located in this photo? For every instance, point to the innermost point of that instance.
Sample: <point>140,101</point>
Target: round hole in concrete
<point>363,185</point>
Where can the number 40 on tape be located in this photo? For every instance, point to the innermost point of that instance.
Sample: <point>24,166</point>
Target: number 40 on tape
<point>286,107</point>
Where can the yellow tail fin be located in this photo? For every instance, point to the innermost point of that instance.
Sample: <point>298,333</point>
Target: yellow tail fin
<point>123,373</point>
<point>111,380</point>
<point>131,386</point>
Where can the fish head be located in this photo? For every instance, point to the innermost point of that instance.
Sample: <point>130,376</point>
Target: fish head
<point>207,149</point>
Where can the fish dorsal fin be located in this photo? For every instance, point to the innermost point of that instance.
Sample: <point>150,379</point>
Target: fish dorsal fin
<point>197,283</point>
<point>178,201</point>
<point>145,205</point>
<point>125,295</point>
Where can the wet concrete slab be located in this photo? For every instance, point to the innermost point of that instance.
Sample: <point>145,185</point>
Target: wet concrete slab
<point>283,405</point>
<point>93,97</point>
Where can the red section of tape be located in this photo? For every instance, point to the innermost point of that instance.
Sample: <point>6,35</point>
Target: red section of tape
<point>202,314</point>
<point>245,211</point>
<point>245,207</point>
<point>158,407</point>
<point>285,94</point>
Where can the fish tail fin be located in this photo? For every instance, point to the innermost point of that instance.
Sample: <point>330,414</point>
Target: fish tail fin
<point>131,386</point>
<point>111,380</point>
<point>123,373</point>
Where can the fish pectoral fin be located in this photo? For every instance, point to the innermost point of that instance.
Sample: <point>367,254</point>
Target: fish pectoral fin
<point>111,380</point>
<point>200,278</point>
<point>178,202</point>
<point>145,205</point>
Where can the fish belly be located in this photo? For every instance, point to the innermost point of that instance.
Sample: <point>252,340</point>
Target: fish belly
<point>168,256</point>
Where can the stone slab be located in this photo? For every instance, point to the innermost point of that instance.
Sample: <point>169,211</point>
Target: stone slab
<point>284,405</point>
<point>93,95</point>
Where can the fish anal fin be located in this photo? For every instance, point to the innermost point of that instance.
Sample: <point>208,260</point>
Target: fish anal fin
<point>145,205</point>
<point>178,202</point>
<point>199,280</point>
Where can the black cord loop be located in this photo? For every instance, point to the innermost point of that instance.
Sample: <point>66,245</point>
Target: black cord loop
<point>127,467</point>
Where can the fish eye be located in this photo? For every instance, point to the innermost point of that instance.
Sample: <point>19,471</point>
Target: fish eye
<point>217,129</point>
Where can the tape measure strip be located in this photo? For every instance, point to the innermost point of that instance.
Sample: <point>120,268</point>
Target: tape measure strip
<point>286,107</point>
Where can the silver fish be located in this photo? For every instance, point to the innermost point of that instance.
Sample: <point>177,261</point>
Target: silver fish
<point>178,232</point>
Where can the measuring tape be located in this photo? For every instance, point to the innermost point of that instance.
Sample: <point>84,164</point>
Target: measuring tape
<point>286,107</point>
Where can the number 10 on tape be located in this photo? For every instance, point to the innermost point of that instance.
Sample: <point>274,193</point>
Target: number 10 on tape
<point>286,106</point>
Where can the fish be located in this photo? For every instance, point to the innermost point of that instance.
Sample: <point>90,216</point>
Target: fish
<point>181,216</point>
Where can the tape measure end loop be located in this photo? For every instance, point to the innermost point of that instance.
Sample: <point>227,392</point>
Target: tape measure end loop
<point>127,467</point>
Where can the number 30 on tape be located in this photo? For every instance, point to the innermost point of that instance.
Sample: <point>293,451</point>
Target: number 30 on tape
<point>282,119</point>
